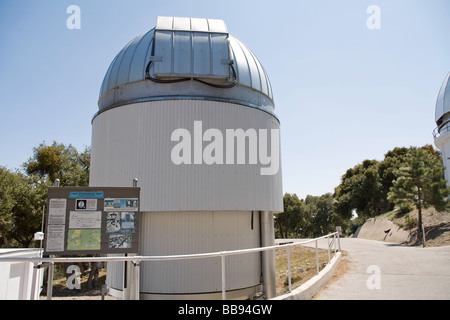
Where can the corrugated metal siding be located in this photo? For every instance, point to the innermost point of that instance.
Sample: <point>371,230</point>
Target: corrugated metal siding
<point>114,274</point>
<point>169,233</point>
<point>134,141</point>
<point>173,233</point>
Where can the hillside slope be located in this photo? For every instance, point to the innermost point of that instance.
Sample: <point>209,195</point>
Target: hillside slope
<point>403,229</point>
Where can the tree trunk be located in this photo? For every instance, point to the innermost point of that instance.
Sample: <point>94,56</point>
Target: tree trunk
<point>419,218</point>
<point>5,240</point>
<point>93,275</point>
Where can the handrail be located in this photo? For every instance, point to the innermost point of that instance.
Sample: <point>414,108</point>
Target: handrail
<point>136,259</point>
<point>445,127</point>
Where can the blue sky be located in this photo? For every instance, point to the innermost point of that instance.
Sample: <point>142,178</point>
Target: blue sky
<point>343,92</point>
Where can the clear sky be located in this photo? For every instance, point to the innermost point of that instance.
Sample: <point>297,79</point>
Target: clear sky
<point>343,92</point>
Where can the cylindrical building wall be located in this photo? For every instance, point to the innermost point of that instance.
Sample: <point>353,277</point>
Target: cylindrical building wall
<point>221,202</point>
<point>136,141</point>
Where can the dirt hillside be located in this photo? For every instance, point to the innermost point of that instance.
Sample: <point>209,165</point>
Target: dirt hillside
<point>396,228</point>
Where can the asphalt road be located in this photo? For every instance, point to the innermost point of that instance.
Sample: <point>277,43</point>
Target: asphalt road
<point>387,271</point>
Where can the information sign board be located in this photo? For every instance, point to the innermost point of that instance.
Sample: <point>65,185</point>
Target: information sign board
<point>91,220</point>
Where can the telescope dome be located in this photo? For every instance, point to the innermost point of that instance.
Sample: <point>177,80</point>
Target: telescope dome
<point>442,113</point>
<point>186,58</point>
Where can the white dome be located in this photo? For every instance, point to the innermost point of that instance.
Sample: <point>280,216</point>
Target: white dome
<point>186,58</point>
<point>443,102</point>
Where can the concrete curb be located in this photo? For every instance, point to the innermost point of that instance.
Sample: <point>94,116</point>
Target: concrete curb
<point>310,287</point>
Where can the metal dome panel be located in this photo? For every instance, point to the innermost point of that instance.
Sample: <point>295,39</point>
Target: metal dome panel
<point>191,54</point>
<point>443,100</point>
<point>129,64</point>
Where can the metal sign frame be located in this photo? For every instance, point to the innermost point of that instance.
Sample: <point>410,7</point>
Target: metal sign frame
<point>92,220</point>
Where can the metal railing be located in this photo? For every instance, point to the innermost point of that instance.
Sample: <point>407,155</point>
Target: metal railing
<point>40,262</point>
<point>337,247</point>
<point>441,129</point>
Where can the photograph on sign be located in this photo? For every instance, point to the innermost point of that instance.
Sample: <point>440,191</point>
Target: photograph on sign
<point>84,239</point>
<point>114,204</point>
<point>117,241</point>
<point>120,222</point>
<point>86,204</point>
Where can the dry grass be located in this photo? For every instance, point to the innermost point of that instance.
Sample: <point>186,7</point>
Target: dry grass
<point>303,266</point>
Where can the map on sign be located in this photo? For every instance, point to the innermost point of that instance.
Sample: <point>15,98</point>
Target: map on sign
<point>84,239</point>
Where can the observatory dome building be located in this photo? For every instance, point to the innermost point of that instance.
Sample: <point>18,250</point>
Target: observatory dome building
<point>188,110</point>
<point>442,132</point>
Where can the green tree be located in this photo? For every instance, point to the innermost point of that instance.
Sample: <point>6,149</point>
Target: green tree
<point>7,202</point>
<point>21,203</point>
<point>295,218</point>
<point>31,194</point>
<point>23,194</point>
<point>360,190</point>
<point>59,161</point>
<point>393,160</point>
<point>420,181</point>
<point>323,219</point>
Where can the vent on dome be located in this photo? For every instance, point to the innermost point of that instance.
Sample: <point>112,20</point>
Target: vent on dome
<point>191,48</point>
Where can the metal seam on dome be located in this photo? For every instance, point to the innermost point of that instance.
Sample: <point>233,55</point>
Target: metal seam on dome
<point>122,64</point>
<point>445,95</point>
<point>113,65</point>
<point>441,101</point>
<point>149,53</point>
<point>134,53</point>
<point>145,55</point>
<point>248,65</point>
<point>106,78</point>
<point>269,85</point>
<point>121,54</point>
<point>258,65</point>
<point>125,51</point>
<point>105,82</point>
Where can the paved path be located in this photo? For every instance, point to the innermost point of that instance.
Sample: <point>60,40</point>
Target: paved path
<point>381,270</point>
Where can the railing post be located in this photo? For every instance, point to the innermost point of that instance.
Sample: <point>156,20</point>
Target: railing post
<point>289,268</point>
<point>339,241</point>
<point>317,257</point>
<point>328,242</point>
<point>224,292</point>
<point>335,244</point>
<point>34,281</point>
<point>50,274</point>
